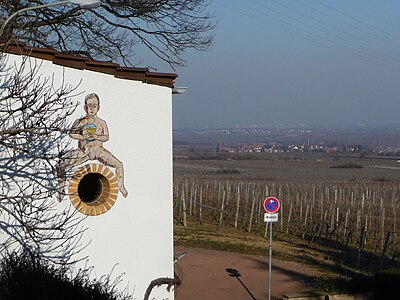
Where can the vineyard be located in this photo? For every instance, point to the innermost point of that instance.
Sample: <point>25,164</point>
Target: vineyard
<point>360,214</point>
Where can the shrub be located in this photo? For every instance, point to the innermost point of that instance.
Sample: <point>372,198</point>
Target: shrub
<point>341,285</point>
<point>387,284</point>
<point>347,166</point>
<point>24,276</point>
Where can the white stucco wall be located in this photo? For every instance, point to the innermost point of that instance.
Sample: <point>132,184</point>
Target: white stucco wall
<point>137,232</point>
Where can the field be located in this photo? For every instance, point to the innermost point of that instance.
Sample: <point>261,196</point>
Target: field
<point>339,212</point>
<point>297,168</point>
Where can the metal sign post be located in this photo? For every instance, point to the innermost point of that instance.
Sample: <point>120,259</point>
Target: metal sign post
<point>271,206</point>
<point>270,262</point>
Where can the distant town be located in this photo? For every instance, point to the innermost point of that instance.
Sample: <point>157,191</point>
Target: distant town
<point>305,147</point>
<point>357,140</point>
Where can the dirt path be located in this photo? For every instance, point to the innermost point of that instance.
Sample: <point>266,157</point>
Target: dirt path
<point>209,275</point>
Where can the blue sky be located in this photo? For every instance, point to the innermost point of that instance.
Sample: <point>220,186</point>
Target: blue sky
<point>280,62</point>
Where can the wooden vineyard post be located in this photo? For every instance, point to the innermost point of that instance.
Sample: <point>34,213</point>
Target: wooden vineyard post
<point>266,230</point>
<point>313,199</point>
<point>361,245</point>
<point>281,211</point>
<point>258,213</point>
<point>251,214</point>
<point>246,199</point>
<point>332,219</point>
<point>191,199</point>
<point>200,204</point>
<point>311,217</point>
<point>305,222</point>
<point>184,209</point>
<point>221,213</point>
<point>289,216</point>
<point>365,229</point>
<point>266,224</point>
<point>301,210</point>
<point>237,207</point>
<point>345,223</point>
<point>179,204</point>
<point>385,247</point>
<point>228,194</point>
<point>322,206</point>
<point>337,224</point>
<point>281,207</point>
<point>383,226</point>
<point>194,199</point>
<point>325,216</point>
<point>394,216</point>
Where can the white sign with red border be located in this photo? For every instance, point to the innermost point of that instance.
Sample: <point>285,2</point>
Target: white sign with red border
<point>271,205</point>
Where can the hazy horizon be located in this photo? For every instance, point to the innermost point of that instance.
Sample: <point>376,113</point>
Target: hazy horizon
<point>320,63</point>
<point>295,126</point>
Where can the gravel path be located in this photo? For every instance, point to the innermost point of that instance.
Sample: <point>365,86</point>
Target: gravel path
<point>209,275</point>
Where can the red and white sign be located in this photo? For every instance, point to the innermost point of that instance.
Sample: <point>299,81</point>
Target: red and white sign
<point>271,205</point>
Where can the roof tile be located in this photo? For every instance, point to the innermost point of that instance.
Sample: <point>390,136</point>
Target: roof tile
<point>83,63</point>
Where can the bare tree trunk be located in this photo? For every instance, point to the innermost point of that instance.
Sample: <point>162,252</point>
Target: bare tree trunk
<point>159,281</point>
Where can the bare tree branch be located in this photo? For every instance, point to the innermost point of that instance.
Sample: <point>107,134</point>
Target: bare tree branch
<point>33,126</point>
<point>170,282</point>
<point>117,29</point>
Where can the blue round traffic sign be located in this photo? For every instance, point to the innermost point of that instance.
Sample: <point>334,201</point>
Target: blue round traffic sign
<point>271,204</point>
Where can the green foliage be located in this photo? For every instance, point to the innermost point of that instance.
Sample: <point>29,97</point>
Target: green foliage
<point>24,276</point>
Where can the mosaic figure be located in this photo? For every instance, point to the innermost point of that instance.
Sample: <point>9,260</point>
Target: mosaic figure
<point>91,132</point>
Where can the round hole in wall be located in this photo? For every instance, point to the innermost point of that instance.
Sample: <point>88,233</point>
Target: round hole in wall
<point>90,187</point>
<point>93,189</point>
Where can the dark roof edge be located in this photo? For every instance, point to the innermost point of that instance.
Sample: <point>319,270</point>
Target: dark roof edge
<point>82,63</point>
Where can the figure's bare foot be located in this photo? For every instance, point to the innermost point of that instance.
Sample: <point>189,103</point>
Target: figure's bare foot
<point>123,191</point>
